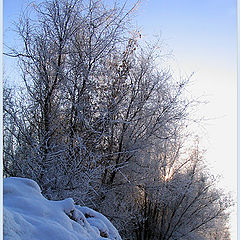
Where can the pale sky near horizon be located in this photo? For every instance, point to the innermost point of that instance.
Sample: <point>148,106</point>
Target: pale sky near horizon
<point>203,38</point>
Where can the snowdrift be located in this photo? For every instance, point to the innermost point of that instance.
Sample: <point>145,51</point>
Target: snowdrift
<point>27,215</point>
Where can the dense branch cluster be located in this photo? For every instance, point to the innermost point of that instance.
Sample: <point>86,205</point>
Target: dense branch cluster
<point>100,120</point>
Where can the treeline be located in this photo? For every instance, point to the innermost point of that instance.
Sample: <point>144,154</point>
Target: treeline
<point>99,119</point>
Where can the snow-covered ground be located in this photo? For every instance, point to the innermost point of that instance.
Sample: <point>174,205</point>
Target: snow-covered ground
<point>27,215</point>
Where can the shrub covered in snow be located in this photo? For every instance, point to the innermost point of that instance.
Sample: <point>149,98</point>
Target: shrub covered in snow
<point>30,216</point>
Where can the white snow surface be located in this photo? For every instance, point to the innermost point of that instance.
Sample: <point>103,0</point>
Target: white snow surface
<point>27,215</point>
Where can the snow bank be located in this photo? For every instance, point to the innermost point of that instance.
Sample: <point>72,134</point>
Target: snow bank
<point>27,215</point>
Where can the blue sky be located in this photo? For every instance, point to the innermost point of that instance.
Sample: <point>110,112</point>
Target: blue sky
<point>203,38</point>
<point>193,26</point>
<point>203,29</point>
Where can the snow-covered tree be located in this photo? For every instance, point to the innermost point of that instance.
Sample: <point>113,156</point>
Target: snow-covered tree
<point>101,120</point>
<point>65,43</point>
<point>92,99</point>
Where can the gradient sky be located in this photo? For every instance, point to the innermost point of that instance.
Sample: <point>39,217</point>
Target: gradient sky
<point>203,38</point>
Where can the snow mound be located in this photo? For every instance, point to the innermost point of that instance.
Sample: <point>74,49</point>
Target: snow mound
<point>27,215</point>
